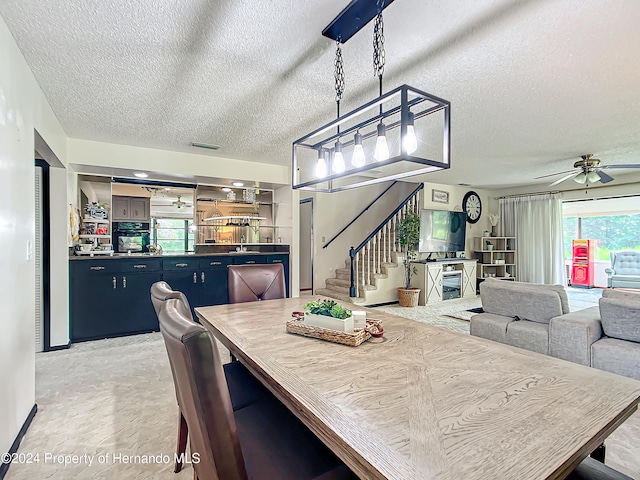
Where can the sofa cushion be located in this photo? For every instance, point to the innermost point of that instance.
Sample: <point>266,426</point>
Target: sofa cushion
<point>621,318</point>
<point>617,356</point>
<point>562,292</point>
<point>571,335</point>
<point>490,326</point>
<point>617,294</point>
<point>522,300</point>
<point>531,336</point>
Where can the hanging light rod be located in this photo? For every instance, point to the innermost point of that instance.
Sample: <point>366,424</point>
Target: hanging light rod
<point>355,16</point>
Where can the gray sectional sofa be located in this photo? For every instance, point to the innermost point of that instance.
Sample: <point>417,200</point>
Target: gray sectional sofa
<point>537,318</point>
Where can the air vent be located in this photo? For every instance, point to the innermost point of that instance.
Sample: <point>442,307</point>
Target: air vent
<point>208,146</point>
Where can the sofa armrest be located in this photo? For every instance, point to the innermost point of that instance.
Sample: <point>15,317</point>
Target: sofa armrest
<point>610,272</point>
<point>571,335</point>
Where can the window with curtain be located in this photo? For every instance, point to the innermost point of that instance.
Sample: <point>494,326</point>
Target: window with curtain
<point>173,234</point>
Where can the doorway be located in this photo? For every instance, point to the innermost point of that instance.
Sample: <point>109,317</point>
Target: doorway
<point>41,256</point>
<point>306,245</point>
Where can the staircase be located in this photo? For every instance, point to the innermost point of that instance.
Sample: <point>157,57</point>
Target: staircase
<point>374,263</point>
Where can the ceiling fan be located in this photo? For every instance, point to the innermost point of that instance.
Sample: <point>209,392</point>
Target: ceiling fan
<point>179,203</point>
<point>590,171</point>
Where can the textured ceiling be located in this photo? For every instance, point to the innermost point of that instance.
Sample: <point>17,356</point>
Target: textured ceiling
<point>533,84</point>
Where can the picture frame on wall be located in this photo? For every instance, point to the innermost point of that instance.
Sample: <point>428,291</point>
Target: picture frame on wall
<point>439,196</point>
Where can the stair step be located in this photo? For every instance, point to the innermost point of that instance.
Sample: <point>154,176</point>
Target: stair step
<point>338,281</point>
<point>343,286</point>
<point>339,296</point>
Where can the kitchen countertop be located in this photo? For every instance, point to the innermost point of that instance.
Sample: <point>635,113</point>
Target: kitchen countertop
<point>169,255</point>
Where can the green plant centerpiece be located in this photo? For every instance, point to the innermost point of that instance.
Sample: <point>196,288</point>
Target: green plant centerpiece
<point>407,236</point>
<point>328,308</point>
<point>328,314</point>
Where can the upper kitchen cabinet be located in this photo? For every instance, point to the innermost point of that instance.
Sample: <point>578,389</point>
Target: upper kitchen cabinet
<point>130,208</point>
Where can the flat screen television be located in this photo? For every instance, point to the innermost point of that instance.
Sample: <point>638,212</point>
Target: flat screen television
<point>442,231</point>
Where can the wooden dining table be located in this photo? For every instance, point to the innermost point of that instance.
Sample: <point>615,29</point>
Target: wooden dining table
<point>423,402</point>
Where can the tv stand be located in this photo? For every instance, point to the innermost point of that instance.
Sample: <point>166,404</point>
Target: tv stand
<point>445,279</point>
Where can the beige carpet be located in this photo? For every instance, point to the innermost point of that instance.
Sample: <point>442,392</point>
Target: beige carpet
<point>114,398</point>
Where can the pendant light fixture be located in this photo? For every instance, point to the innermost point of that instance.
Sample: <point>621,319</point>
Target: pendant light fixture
<point>382,148</point>
<point>359,158</point>
<point>334,156</point>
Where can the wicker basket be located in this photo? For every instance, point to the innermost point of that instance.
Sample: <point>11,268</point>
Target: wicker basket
<point>408,297</point>
<point>352,339</point>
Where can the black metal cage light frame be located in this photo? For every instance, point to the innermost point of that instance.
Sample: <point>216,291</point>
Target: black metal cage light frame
<point>395,112</point>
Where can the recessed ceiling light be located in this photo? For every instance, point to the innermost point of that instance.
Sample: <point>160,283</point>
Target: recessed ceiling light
<point>167,189</point>
<point>238,184</point>
<point>141,174</point>
<point>226,189</point>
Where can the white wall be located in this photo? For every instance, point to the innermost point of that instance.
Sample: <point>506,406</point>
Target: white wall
<point>99,154</point>
<point>287,219</point>
<point>23,108</point>
<point>456,195</point>
<point>59,257</point>
<point>333,211</point>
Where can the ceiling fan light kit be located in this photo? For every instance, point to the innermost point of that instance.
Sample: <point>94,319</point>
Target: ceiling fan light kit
<point>591,171</point>
<point>401,133</point>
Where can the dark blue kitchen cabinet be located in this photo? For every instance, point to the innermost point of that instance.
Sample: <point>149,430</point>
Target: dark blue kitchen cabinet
<point>202,279</point>
<point>110,298</point>
<point>213,281</point>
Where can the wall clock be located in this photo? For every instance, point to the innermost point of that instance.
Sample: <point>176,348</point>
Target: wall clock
<point>473,206</point>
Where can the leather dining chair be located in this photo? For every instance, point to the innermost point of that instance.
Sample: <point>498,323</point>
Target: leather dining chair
<point>243,387</point>
<point>249,283</point>
<point>259,441</point>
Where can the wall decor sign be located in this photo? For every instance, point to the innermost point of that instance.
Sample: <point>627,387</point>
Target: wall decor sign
<point>439,196</point>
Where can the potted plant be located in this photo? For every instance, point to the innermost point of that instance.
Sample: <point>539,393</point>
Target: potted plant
<point>489,245</point>
<point>328,314</point>
<point>408,235</point>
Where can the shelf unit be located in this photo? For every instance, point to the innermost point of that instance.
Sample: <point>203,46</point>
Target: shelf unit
<point>223,220</point>
<point>92,224</point>
<point>499,261</point>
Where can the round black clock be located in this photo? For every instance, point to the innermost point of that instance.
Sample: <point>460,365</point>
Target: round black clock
<point>473,206</point>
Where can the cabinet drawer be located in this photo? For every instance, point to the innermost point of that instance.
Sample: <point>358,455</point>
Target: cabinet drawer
<point>249,259</point>
<point>95,266</point>
<point>215,262</point>
<point>141,265</point>
<point>181,264</point>
<point>284,259</point>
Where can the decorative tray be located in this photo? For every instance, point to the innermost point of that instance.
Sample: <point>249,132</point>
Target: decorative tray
<point>296,325</point>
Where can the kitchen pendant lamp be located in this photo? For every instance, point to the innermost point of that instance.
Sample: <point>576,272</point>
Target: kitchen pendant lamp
<point>401,133</point>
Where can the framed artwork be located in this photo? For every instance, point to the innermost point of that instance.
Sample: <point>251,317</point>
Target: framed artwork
<point>439,196</point>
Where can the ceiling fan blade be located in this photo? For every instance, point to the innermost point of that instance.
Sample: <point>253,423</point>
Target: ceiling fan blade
<point>553,174</point>
<point>627,165</point>
<point>604,178</point>
<point>567,177</point>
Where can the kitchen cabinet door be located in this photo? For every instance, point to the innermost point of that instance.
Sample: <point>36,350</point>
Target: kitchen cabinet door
<point>185,281</point>
<point>94,306</point>
<point>213,281</point>
<point>120,208</point>
<point>139,209</point>
<point>284,260</point>
<point>138,314</point>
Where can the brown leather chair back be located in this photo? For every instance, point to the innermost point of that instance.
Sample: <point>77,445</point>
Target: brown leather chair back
<point>248,283</point>
<point>204,395</point>
<point>161,292</point>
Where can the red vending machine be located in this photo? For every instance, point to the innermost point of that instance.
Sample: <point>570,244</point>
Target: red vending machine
<point>583,254</point>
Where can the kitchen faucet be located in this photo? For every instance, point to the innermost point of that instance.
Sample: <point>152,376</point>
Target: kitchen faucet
<point>242,249</point>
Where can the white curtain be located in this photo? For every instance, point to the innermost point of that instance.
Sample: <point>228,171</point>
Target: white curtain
<point>536,222</point>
